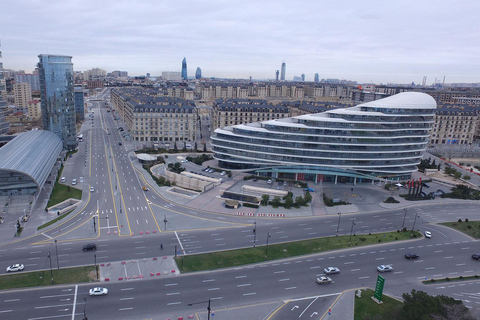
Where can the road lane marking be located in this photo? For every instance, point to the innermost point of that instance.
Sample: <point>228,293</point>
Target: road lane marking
<point>249,294</point>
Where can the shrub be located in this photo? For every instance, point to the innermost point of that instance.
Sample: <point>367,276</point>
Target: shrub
<point>466,220</point>
<point>469,227</point>
<point>432,280</point>
<point>362,239</point>
<point>379,240</point>
<point>459,220</point>
<point>447,279</point>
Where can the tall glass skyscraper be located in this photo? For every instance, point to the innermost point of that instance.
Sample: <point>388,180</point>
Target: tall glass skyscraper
<point>57,97</point>
<point>284,69</point>
<point>184,69</point>
<point>198,73</point>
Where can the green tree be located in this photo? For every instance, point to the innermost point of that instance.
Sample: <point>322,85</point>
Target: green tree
<point>289,201</point>
<point>421,306</point>
<point>308,197</point>
<point>299,201</point>
<point>466,177</point>
<point>457,174</point>
<point>276,202</point>
<point>265,199</point>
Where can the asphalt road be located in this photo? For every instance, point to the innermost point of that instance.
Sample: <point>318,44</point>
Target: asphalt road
<point>122,209</point>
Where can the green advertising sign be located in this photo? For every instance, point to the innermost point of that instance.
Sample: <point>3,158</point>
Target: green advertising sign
<point>379,288</point>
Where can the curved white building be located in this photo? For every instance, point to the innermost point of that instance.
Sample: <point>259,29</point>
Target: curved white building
<point>383,139</point>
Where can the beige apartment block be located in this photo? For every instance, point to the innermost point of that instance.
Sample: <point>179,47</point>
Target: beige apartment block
<point>34,110</point>
<point>455,124</point>
<point>23,94</point>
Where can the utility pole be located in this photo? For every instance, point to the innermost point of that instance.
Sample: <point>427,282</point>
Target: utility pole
<point>404,216</point>
<point>266,248</point>
<point>56,250</point>
<point>338,225</point>
<point>165,221</point>
<point>351,231</point>
<point>51,270</point>
<point>254,233</point>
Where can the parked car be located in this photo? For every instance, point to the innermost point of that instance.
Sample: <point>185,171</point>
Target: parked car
<point>428,234</point>
<point>323,280</point>
<point>476,256</point>
<point>90,246</point>
<point>309,189</point>
<point>269,181</point>
<point>384,268</point>
<point>81,179</point>
<point>223,173</point>
<point>98,291</point>
<point>92,189</point>
<point>74,181</point>
<point>63,179</point>
<point>15,267</point>
<point>331,270</point>
<point>411,255</point>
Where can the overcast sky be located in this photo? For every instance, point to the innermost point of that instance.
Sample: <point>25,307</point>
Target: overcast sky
<point>367,41</point>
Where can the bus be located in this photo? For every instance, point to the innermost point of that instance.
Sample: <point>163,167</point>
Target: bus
<point>80,137</point>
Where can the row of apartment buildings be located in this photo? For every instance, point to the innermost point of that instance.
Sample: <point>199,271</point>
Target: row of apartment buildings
<point>151,117</point>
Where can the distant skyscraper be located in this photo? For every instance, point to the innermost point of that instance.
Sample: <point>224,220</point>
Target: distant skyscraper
<point>198,73</point>
<point>276,75</point>
<point>4,126</point>
<point>31,79</point>
<point>316,79</point>
<point>303,77</point>
<point>57,97</point>
<point>184,69</point>
<point>284,70</point>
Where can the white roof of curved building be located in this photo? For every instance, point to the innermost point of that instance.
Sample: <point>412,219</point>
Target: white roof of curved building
<point>406,100</point>
<point>32,153</point>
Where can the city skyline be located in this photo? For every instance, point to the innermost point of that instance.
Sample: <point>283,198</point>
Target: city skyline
<point>369,41</point>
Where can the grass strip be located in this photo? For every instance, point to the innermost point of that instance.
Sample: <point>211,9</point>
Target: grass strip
<point>470,228</point>
<point>367,308</point>
<point>54,220</point>
<point>61,193</point>
<point>239,257</point>
<point>44,278</point>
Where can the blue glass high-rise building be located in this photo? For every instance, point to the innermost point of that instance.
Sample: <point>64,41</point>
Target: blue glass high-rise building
<point>284,70</point>
<point>198,73</point>
<point>57,97</point>
<point>184,69</point>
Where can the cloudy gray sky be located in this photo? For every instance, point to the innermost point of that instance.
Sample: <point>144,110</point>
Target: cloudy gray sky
<point>368,41</point>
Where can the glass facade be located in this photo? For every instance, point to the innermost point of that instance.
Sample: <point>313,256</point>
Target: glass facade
<point>57,97</point>
<point>380,139</point>
<point>184,69</point>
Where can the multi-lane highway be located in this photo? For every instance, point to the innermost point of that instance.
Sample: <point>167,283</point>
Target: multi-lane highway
<point>117,211</point>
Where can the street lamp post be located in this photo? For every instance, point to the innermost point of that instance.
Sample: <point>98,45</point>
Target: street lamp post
<point>165,221</point>
<point>208,308</point>
<point>414,220</point>
<point>404,216</point>
<point>351,231</point>
<point>95,259</point>
<point>56,250</point>
<point>51,270</point>
<point>85,309</point>
<point>254,233</point>
<point>266,247</point>
<point>338,225</point>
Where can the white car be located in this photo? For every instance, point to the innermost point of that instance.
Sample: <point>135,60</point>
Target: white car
<point>323,280</point>
<point>81,179</point>
<point>15,267</point>
<point>74,181</point>
<point>63,179</point>
<point>92,189</point>
<point>384,268</point>
<point>428,234</point>
<point>331,270</point>
<point>223,173</point>
<point>98,291</point>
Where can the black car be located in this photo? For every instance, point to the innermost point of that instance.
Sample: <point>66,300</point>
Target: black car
<point>476,256</point>
<point>119,143</point>
<point>90,246</point>
<point>411,256</point>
